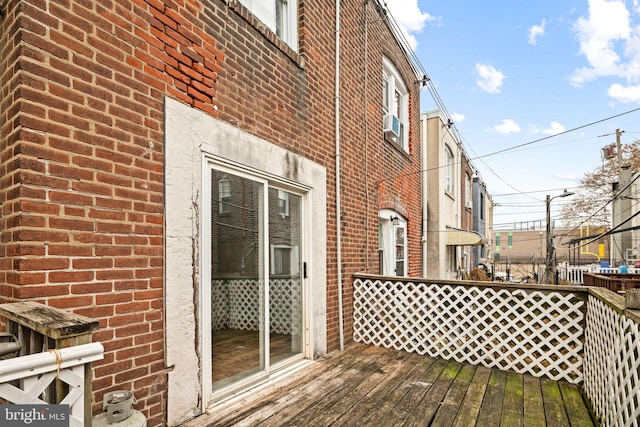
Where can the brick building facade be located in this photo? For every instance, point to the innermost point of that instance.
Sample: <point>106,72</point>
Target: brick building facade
<point>115,118</point>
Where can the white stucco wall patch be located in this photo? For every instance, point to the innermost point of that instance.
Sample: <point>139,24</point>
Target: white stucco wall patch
<point>191,136</point>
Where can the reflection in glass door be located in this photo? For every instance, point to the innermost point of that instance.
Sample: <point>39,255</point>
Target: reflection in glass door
<point>237,278</point>
<point>256,277</point>
<point>285,285</point>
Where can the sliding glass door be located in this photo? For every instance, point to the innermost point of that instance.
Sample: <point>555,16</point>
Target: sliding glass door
<point>255,265</point>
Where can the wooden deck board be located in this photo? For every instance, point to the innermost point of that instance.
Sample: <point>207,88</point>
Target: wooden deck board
<point>394,372</point>
<point>370,386</point>
<point>491,409</point>
<point>577,413</point>
<point>533,403</point>
<point>425,411</point>
<point>513,406</point>
<point>472,402</point>
<point>554,410</point>
<point>450,406</point>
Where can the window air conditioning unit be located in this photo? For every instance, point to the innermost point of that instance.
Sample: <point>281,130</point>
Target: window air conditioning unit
<point>469,204</point>
<point>392,125</point>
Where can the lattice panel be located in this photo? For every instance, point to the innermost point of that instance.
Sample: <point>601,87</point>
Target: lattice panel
<point>235,304</point>
<point>31,390</point>
<point>539,333</point>
<point>612,363</point>
<point>285,308</point>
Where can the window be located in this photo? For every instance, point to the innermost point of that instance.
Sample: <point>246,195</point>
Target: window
<point>448,170</point>
<point>281,16</point>
<point>224,192</point>
<point>468,196</point>
<point>395,106</point>
<point>392,239</point>
<point>283,203</point>
<point>284,260</point>
<point>510,239</point>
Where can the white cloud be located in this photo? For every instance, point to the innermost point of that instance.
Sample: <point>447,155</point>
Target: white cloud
<point>489,78</point>
<point>507,126</point>
<point>602,34</point>
<point>457,117</point>
<point>410,18</point>
<point>536,31</point>
<point>554,129</point>
<point>624,93</point>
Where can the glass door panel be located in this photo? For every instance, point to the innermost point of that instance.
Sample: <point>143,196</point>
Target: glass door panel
<point>285,275</point>
<point>400,248</point>
<point>237,278</point>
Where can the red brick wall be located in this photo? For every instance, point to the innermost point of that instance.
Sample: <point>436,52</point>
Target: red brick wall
<point>392,173</point>
<point>81,151</point>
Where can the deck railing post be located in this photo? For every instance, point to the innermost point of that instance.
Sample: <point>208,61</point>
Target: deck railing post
<point>42,328</point>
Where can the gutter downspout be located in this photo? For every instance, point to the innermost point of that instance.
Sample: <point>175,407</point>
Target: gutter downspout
<point>338,204</point>
<point>424,168</point>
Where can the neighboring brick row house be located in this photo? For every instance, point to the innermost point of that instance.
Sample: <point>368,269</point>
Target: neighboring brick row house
<point>197,173</point>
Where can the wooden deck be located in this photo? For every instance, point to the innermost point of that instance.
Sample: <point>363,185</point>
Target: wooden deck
<point>370,386</point>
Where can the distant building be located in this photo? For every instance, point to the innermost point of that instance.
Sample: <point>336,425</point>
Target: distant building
<point>449,209</point>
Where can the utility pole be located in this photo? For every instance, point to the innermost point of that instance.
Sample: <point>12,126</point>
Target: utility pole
<point>619,148</point>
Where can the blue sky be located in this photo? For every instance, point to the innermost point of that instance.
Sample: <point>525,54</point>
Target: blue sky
<point>510,73</point>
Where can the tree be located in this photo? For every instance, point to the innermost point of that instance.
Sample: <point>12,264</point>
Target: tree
<point>591,201</point>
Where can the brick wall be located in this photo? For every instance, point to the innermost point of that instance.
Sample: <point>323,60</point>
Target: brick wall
<point>81,151</point>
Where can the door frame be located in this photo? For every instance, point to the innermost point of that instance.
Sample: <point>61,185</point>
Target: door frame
<point>211,397</point>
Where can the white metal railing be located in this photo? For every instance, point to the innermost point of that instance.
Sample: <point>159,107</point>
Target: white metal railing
<point>526,330</point>
<point>575,274</point>
<point>24,380</point>
<point>612,365</point>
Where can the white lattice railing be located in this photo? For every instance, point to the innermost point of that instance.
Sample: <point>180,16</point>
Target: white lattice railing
<point>534,331</point>
<point>612,363</point>
<point>24,380</point>
<point>235,304</point>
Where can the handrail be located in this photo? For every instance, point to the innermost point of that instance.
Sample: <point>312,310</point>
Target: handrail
<point>39,363</point>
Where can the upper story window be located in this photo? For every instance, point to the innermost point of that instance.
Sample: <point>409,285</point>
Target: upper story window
<point>395,106</point>
<point>468,194</point>
<point>283,203</point>
<point>281,16</point>
<point>448,170</point>
<point>224,191</point>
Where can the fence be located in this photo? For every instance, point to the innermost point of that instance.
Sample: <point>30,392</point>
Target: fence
<point>558,332</point>
<point>54,363</point>
<point>574,275</point>
<point>25,380</point>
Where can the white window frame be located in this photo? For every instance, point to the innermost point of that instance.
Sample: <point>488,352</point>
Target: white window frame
<point>468,194</point>
<point>449,166</point>
<point>395,101</point>
<point>281,16</point>
<point>294,259</point>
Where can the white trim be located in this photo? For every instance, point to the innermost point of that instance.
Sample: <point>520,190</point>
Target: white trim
<point>191,138</point>
<point>388,237</point>
<point>395,83</point>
